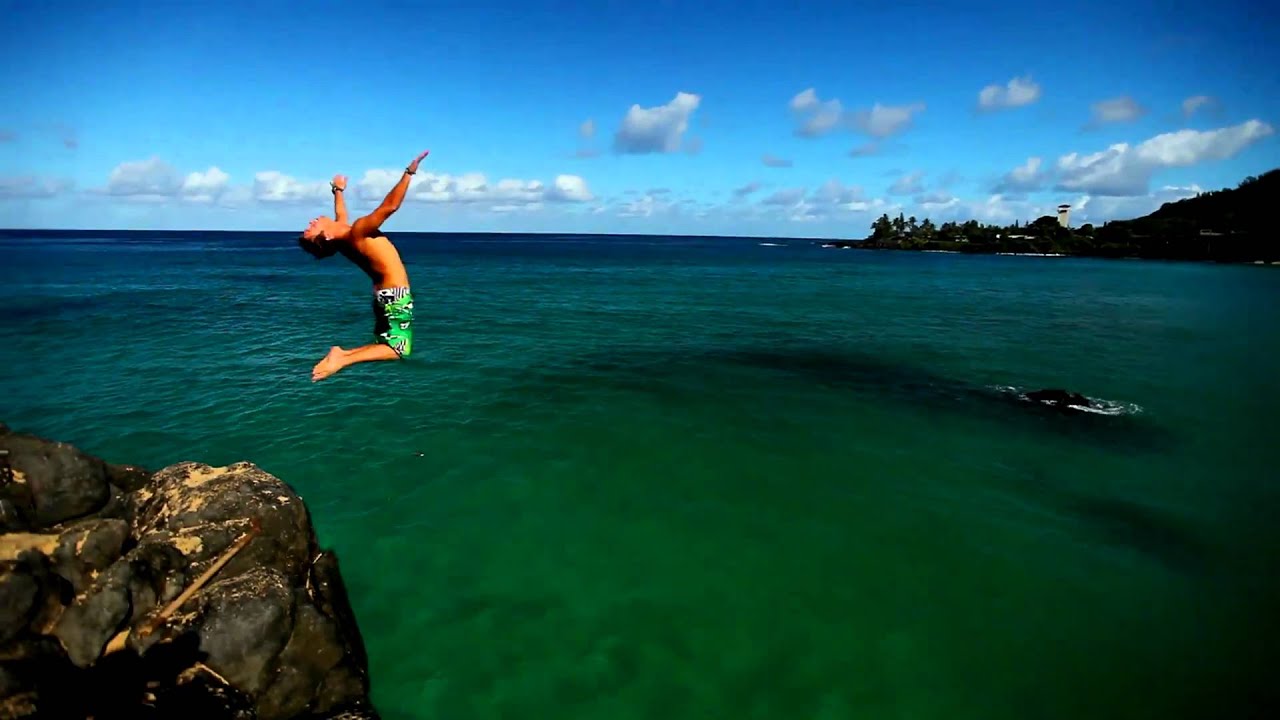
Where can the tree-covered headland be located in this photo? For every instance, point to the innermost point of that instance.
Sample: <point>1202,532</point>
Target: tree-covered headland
<point>1228,225</point>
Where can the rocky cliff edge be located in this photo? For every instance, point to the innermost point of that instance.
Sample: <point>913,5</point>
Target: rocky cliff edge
<point>191,590</point>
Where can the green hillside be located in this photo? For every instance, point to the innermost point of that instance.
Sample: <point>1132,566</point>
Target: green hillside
<point>1228,225</point>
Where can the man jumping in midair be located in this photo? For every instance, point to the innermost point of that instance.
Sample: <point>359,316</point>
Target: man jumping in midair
<point>363,243</point>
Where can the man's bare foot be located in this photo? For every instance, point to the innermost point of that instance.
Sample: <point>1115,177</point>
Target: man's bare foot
<point>329,365</point>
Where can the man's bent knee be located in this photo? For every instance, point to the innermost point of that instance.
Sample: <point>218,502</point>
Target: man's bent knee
<point>400,342</point>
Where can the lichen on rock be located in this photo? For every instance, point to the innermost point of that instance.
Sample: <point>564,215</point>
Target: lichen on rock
<point>93,553</point>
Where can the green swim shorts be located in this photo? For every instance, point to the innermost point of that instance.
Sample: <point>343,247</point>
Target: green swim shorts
<point>393,319</point>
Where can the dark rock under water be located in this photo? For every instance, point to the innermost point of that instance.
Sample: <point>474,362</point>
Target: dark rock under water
<point>862,374</point>
<point>1057,398</point>
<point>92,553</point>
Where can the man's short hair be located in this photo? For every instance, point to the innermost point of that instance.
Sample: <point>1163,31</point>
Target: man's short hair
<point>318,248</point>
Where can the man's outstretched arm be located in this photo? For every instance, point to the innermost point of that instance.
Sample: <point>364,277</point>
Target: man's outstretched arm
<point>371,222</point>
<point>339,186</point>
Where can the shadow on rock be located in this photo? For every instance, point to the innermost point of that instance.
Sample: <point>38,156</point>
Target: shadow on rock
<point>168,680</point>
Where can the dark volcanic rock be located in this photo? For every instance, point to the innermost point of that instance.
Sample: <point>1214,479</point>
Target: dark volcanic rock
<point>350,677</point>
<point>88,547</point>
<point>18,594</point>
<point>103,549</point>
<point>17,506</point>
<point>94,617</point>
<point>191,496</point>
<point>314,648</point>
<point>1058,398</point>
<point>64,482</point>
<point>127,477</point>
<point>244,624</point>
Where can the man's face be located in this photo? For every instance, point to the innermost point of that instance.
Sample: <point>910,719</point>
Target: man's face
<point>317,228</point>
<point>315,238</point>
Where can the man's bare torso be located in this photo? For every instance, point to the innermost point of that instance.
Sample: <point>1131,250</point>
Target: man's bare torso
<point>378,258</point>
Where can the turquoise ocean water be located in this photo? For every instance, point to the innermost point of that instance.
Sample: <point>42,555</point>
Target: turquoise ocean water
<point>627,477</point>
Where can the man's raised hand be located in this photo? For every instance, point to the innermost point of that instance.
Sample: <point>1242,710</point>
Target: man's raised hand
<point>413,166</point>
<point>339,182</point>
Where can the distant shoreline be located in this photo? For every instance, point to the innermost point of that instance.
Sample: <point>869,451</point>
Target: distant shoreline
<point>862,245</point>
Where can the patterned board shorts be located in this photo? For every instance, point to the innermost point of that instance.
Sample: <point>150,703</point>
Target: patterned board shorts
<point>393,319</point>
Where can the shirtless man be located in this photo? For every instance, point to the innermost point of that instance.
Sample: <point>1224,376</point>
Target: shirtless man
<point>363,243</point>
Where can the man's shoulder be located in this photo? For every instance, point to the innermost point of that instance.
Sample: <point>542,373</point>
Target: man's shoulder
<point>365,227</point>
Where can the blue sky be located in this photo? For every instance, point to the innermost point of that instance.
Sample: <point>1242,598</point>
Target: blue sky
<point>710,117</point>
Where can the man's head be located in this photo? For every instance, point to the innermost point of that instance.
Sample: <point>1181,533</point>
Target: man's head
<point>317,239</point>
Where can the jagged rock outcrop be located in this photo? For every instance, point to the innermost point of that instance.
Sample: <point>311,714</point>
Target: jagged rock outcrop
<point>192,590</point>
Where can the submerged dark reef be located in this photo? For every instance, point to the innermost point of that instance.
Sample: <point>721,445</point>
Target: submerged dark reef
<point>863,376</point>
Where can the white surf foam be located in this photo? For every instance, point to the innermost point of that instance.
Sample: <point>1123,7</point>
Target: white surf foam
<point>1101,405</point>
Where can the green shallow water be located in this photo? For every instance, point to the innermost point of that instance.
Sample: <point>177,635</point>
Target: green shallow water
<point>642,477</point>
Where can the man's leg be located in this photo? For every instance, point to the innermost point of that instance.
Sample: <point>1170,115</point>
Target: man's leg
<point>339,358</point>
<point>393,328</point>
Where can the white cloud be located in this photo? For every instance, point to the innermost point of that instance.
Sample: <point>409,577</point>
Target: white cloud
<point>775,161</point>
<point>822,116</point>
<point>819,117</point>
<point>881,121</point>
<point>843,206</point>
<point>832,199</point>
<point>1123,170</point>
<point>806,100</point>
<point>657,129</point>
<point>997,210</point>
<point>937,200</point>
<point>786,196</point>
<point>586,131</point>
<point>1189,147</point>
<point>1100,209</point>
<point>648,205</point>
<point>205,186</point>
<point>909,184</point>
<point>832,192</point>
<point>1114,171</point>
<point>1000,209</point>
<point>29,187</point>
<point>1017,92</point>
<point>569,188</point>
<point>144,179</point>
<point>271,186</point>
<point>1194,103</point>
<point>474,189</point>
<point>1025,178</point>
<point>153,180</point>
<point>949,178</point>
<point>865,150</point>
<point>235,196</point>
<point>746,190</point>
<point>1115,110</point>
